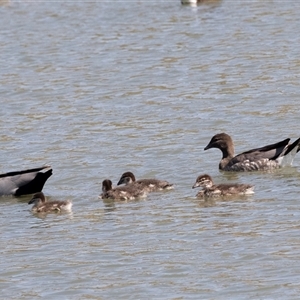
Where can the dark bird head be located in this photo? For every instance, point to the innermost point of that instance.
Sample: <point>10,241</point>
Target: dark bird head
<point>126,178</point>
<point>37,197</point>
<point>106,185</point>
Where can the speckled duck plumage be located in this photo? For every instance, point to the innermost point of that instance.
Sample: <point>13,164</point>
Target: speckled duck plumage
<point>153,185</point>
<point>265,158</point>
<point>41,205</point>
<point>209,189</point>
<point>122,193</point>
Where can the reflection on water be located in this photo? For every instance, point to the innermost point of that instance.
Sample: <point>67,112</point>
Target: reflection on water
<point>99,88</point>
<point>43,215</point>
<point>109,207</point>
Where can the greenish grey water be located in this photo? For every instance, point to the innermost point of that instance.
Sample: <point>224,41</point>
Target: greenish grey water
<point>99,88</point>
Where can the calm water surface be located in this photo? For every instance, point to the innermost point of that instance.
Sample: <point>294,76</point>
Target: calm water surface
<point>99,88</point>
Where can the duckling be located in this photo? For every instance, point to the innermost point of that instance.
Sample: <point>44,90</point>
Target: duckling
<point>41,205</point>
<point>123,193</point>
<point>265,158</point>
<point>153,185</point>
<point>220,190</point>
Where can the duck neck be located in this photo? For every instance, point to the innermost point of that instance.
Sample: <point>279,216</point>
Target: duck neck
<point>228,154</point>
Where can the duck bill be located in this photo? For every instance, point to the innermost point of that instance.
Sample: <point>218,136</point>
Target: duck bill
<point>121,181</point>
<point>210,145</point>
<point>32,201</point>
<point>195,186</point>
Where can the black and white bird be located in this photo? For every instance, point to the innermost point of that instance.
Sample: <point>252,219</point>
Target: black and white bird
<point>24,182</point>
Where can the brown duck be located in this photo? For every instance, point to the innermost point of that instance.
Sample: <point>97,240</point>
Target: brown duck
<point>122,193</point>
<point>209,189</point>
<point>153,185</point>
<point>41,205</point>
<point>265,158</point>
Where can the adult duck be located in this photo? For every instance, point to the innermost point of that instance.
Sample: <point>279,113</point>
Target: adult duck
<point>265,158</point>
<point>24,182</point>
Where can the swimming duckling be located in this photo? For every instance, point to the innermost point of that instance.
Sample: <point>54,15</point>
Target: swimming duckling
<point>42,205</point>
<point>265,158</point>
<point>153,185</point>
<point>123,193</point>
<point>220,190</point>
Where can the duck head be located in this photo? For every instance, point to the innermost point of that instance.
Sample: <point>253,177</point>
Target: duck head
<point>37,197</point>
<point>203,181</point>
<point>126,178</point>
